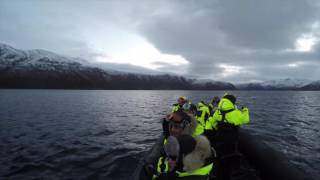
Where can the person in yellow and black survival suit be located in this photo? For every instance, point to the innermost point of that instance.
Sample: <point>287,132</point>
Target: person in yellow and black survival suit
<point>213,105</point>
<point>187,158</point>
<point>177,106</point>
<point>180,122</point>
<point>202,116</point>
<point>222,130</point>
<point>188,108</point>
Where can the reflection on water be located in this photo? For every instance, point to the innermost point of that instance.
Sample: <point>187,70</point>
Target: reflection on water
<point>56,134</point>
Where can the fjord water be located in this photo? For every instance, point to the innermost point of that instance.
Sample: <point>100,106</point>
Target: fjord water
<point>80,134</point>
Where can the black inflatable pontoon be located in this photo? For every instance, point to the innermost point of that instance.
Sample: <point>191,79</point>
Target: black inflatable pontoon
<point>258,161</point>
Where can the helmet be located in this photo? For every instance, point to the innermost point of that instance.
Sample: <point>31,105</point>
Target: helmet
<point>183,99</point>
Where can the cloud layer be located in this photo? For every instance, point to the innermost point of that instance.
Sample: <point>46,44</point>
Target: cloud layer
<point>226,40</point>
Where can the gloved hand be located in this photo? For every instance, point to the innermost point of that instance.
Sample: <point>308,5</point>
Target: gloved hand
<point>245,109</point>
<point>150,169</point>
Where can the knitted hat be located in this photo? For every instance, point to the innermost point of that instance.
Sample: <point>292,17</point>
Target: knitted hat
<point>215,100</point>
<point>232,98</point>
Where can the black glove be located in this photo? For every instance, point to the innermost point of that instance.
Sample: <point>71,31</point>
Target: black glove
<point>165,127</point>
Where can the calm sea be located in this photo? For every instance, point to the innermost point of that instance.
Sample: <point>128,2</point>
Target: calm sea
<point>80,134</point>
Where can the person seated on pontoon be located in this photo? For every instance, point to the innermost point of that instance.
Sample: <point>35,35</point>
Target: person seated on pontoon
<point>186,158</point>
<point>180,102</point>
<point>213,105</point>
<point>202,116</point>
<point>177,123</point>
<point>222,131</point>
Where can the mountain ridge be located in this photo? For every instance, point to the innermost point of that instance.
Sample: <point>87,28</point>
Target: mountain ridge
<point>47,70</point>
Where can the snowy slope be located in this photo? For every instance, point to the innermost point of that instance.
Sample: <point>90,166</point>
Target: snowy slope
<point>312,86</point>
<point>9,55</point>
<point>44,69</point>
<point>281,84</point>
<point>285,83</point>
<point>45,60</point>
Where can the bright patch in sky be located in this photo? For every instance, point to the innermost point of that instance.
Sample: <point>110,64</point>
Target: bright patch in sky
<point>229,70</point>
<point>141,53</point>
<point>305,43</point>
<point>296,64</point>
<point>293,65</point>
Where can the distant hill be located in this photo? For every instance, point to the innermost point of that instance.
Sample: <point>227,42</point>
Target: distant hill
<point>314,86</point>
<point>250,86</point>
<point>282,84</point>
<point>47,70</point>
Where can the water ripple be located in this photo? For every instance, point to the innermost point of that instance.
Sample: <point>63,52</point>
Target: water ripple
<point>51,134</point>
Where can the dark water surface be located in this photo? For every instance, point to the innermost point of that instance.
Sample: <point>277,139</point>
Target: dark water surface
<point>66,134</point>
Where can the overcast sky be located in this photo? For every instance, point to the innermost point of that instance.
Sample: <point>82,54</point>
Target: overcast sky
<point>227,40</point>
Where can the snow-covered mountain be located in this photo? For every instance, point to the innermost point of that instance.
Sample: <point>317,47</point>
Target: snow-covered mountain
<point>38,57</point>
<point>281,84</point>
<point>312,86</point>
<point>210,84</point>
<point>250,86</point>
<point>285,83</point>
<point>44,69</point>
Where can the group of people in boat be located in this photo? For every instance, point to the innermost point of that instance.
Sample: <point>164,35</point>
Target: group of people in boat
<point>197,139</point>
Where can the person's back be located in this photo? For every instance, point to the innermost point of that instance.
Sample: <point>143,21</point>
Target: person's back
<point>225,122</point>
<point>227,118</point>
<point>202,116</point>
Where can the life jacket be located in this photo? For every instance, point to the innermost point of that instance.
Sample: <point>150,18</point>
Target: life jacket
<point>162,167</point>
<point>162,164</point>
<point>228,113</point>
<point>203,171</point>
<point>223,124</point>
<point>202,115</point>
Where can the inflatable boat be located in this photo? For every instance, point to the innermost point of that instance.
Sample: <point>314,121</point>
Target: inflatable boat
<point>254,160</point>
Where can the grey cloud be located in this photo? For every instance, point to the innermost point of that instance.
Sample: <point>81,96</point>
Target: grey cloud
<point>250,34</point>
<point>33,25</point>
<point>268,24</point>
<point>191,29</point>
<point>125,68</point>
<point>308,71</point>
